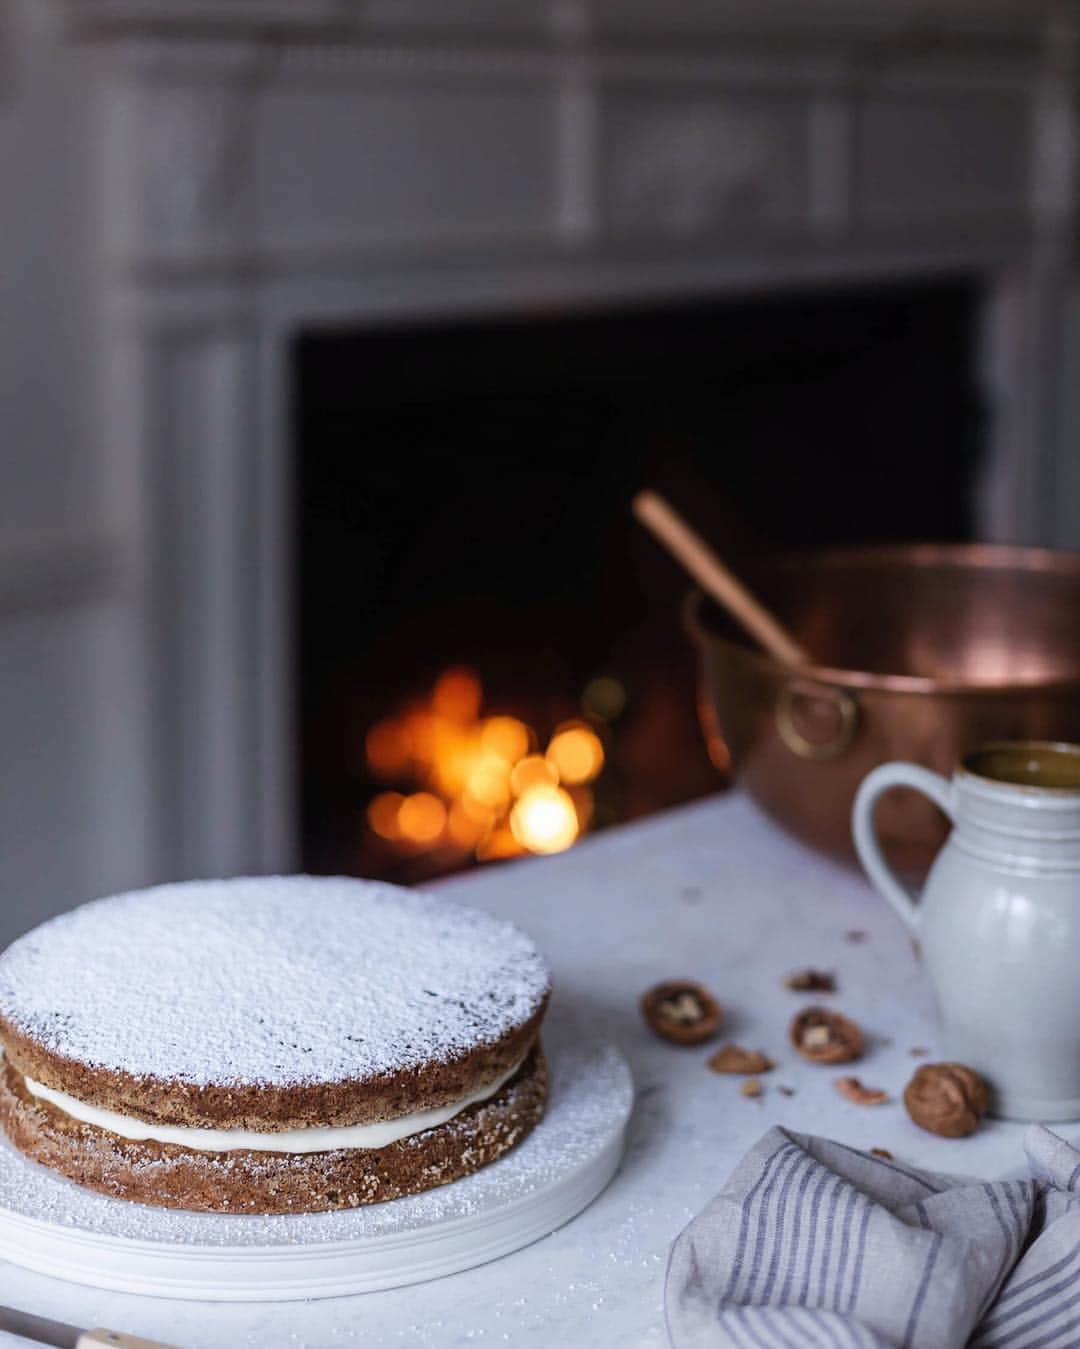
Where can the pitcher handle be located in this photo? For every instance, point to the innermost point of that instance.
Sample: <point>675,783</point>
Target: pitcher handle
<point>866,842</point>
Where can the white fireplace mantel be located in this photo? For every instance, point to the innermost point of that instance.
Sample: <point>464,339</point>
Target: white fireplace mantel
<point>787,18</point>
<point>269,165</point>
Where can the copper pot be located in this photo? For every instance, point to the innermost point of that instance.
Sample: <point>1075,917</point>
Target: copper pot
<point>925,652</point>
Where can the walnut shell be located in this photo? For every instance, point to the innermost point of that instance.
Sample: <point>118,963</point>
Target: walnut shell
<point>853,1090</point>
<point>681,1011</point>
<point>947,1099</point>
<point>824,1036</point>
<point>811,981</point>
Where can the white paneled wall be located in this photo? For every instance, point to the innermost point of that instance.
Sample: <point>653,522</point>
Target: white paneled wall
<point>72,799</point>
<point>43,285</point>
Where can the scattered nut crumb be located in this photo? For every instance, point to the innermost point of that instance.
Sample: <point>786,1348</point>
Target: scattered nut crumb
<point>855,934</point>
<point>947,1099</point>
<point>751,1087</point>
<point>681,1011</point>
<point>823,1036</point>
<point>919,1052</point>
<point>883,1153</point>
<point>811,981</point>
<point>853,1090</point>
<point>733,1059</point>
<point>786,1091</point>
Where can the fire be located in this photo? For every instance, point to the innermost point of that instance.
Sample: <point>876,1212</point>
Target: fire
<point>532,771</point>
<point>544,820</point>
<point>576,754</point>
<point>422,818</point>
<point>383,814</point>
<point>505,737</point>
<point>476,784</point>
<point>457,695</point>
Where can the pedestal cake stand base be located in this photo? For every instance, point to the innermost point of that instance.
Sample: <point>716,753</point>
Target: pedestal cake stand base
<point>52,1226</point>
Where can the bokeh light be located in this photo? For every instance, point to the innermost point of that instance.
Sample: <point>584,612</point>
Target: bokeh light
<point>421,818</point>
<point>577,754</point>
<point>534,771</point>
<point>457,695</point>
<point>463,828</point>
<point>499,844</point>
<point>489,782</point>
<point>477,811</point>
<point>420,727</point>
<point>478,783</point>
<point>387,748</point>
<point>604,697</point>
<point>544,820</point>
<point>382,814</point>
<point>453,754</point>
<point>506,737</point>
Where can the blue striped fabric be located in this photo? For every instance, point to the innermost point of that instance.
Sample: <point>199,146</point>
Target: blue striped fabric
<point>811,1243</point>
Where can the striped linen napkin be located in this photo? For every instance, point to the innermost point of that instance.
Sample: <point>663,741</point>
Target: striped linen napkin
<point>811,1243</point>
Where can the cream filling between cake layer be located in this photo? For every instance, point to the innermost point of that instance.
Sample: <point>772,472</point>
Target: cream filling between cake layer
<point>378,1135</point>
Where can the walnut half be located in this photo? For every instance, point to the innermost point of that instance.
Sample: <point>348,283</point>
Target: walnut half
<point>948,1099</point>
<point>681,1011</point>
<point>823,1036</point>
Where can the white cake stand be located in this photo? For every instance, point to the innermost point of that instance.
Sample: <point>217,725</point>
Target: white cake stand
<point>52,1226</point>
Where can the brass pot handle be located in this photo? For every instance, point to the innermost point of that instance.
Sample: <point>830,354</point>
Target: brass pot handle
<point>847,710</point>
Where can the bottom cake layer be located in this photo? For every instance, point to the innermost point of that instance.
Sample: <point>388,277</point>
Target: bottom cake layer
<point>273,1182</point>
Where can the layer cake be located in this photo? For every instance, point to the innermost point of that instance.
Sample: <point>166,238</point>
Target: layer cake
<point>270,1045</point>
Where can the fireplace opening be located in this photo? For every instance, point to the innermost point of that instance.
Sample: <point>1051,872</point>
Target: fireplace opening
<point>490,656</point>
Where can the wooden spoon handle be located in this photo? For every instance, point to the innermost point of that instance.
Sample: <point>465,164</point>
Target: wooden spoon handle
<point>691,550</point>
<point>114,1339</point>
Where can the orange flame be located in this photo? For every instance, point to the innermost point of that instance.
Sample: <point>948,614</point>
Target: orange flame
<point>576,753</point>
<point>477,784</point>
<point>544,820</point>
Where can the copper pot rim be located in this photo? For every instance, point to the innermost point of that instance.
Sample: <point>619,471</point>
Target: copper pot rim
<point>978,556</point>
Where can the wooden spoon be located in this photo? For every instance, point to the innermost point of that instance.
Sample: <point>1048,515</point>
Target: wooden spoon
<point>692,552</point>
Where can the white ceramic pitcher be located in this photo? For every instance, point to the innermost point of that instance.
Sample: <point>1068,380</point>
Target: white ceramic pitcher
<point>998,921</point>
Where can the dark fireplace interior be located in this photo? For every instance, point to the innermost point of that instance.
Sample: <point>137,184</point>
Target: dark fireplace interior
<point>463,521</point>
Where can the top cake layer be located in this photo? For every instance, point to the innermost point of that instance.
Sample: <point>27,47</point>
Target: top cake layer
<point>302,985</point>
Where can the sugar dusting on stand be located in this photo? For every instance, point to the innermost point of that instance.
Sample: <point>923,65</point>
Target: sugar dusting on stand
<point>270,981</point>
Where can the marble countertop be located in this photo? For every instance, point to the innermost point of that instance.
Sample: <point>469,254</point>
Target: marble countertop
<point>711,892</point>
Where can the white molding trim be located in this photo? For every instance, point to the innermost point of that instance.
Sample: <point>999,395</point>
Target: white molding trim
<point>772,18</point>
<point>62,571</point>
<point>352,56</point>
<point>713,257</point>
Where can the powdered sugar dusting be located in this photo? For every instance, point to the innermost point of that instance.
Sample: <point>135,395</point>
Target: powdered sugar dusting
<point>589,1100</point>
<point>270,981</point>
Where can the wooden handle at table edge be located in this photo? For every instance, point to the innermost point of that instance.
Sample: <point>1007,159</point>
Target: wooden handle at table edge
<point>691,550</point>
<point>113,1339</point>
